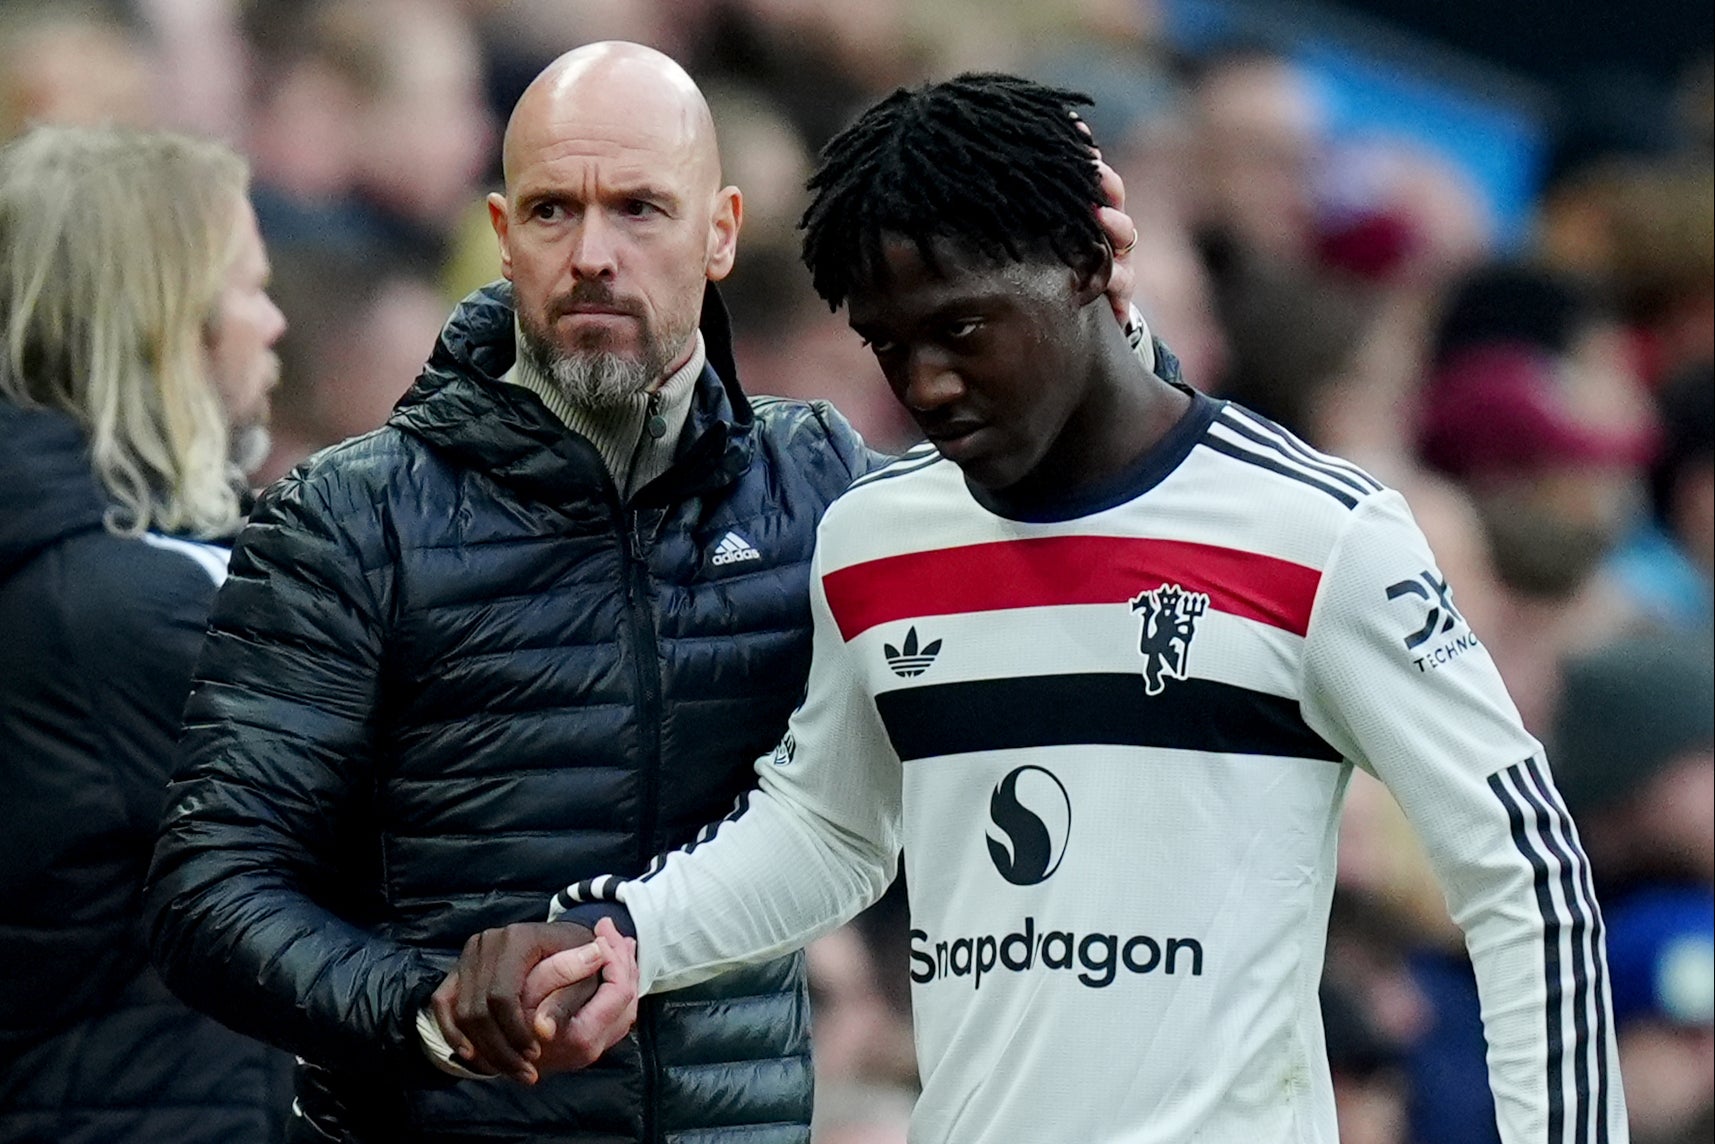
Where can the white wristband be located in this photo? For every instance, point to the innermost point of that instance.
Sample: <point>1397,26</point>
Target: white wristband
<point>1137,332</point>
<point>435,1045</point>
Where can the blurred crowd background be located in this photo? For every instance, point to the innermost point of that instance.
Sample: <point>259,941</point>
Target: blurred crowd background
<point>1468,245</point>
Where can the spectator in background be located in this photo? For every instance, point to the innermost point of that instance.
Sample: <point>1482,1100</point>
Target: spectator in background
<point>521,37</point>
<point>369,123</point>
<point>1661,956</point>
<point>1143,112</point>
<point>1634,735</point>
<point>1175,290</point>
<point>1258,125</point>
<point>1533,406</point>
<point>1666,566</point>
<point>1636,761</point>
<point>308,78</point>
<point>785,341</point>
<point>1175,293</point>
<point>135,366</point>
<point>820,59</point>
<point>425,133</point>
<point>71,62</point>
<point>1400,225</point>
<point>762,151</point>
<point>1369,1084</point>
<point>861,1036</point>
<point>351,352</point>
<point>866,1069</point>
<point>200,64</point>
<point>1293,334</point>
<point>788,344</point>
<point>1647,226</point>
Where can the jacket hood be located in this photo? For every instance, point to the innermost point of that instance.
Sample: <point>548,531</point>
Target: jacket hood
<point>460,406</point>
<point>47,489</point>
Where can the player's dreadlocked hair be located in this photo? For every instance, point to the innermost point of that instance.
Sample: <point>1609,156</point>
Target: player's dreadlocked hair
<point>993,162</point>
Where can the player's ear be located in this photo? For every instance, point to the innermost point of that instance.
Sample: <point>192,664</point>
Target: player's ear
<point>1091,273</point>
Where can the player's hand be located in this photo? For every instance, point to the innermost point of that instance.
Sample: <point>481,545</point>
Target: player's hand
<point>1118,227</point>
<point>575,1029</point>
<point>478,1006</point>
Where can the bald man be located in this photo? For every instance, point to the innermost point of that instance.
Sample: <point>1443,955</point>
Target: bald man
<point>535,628</point>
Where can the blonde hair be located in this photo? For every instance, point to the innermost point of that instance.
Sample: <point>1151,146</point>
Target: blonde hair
<point>114,245</point>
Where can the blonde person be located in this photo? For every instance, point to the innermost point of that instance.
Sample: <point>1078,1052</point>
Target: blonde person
<point>135,364</point>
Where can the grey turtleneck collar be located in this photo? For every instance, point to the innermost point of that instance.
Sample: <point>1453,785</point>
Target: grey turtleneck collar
<point>637,438</point>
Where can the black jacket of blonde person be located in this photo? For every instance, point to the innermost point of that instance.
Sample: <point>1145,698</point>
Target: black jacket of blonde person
<point>450,673</point>
<point>98,634</point>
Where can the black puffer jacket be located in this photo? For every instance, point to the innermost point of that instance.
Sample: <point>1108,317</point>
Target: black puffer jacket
<point>97,637</point>
<point>449,674</point>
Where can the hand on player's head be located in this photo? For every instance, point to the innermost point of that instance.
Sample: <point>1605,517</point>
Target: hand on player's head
<point>1117,226</point>
<point>1121,232</point>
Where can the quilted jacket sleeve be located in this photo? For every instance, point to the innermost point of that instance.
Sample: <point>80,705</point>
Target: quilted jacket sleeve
<point>248,905</point>
<point>856,457</point>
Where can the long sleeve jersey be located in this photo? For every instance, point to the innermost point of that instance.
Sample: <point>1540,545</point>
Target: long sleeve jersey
<point>1114,745</point>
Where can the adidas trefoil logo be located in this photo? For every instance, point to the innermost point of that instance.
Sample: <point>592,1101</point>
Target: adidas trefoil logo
<point>910,660</point>
<point>734,549</point>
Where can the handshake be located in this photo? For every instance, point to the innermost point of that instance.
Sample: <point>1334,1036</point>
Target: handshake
<point>537,998</point>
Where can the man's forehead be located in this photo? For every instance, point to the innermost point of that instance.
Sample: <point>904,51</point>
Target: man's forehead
<point>578,147</point>
<point>575,133</point>
<point>940,271</point>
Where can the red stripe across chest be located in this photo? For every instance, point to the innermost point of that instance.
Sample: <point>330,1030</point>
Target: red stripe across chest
<point>1062,570</point>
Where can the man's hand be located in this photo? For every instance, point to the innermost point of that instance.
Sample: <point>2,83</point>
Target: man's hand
<point>574,1031</point>
<point>478,1006</point>
<point>1121,232</point>
<point>1119,228</point>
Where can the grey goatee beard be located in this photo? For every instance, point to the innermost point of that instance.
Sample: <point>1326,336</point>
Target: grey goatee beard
<point>593,379</point>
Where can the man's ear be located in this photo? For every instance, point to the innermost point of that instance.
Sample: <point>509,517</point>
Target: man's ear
<point>724,224</point>
<point>1091,274</point>
<point>501,221</point>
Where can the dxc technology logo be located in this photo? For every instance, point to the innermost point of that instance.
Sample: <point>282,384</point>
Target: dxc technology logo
<point>1030,823</point>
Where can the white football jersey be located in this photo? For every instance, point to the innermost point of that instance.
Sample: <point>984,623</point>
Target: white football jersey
<point>1114,746</point>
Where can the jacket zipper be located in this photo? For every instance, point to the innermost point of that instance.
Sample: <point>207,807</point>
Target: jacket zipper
<point>635,550</point>
<point>648,652</point>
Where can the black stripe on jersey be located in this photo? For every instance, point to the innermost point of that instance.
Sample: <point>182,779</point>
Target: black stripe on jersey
<point>1274,465</point>
<point>1580,931</point>
<point>704,835</point>
<point>598,889</point>
<point>1587,943</point>
<point>1234,425</point>
<point>1599,943</point>
<point>605,887</point>
<point>1550,946</point>
<point>906,464</point>
<point>1552,864</point>
<point>1299,446</point>
<point>1067,710</point>
<point>1265,432</point>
